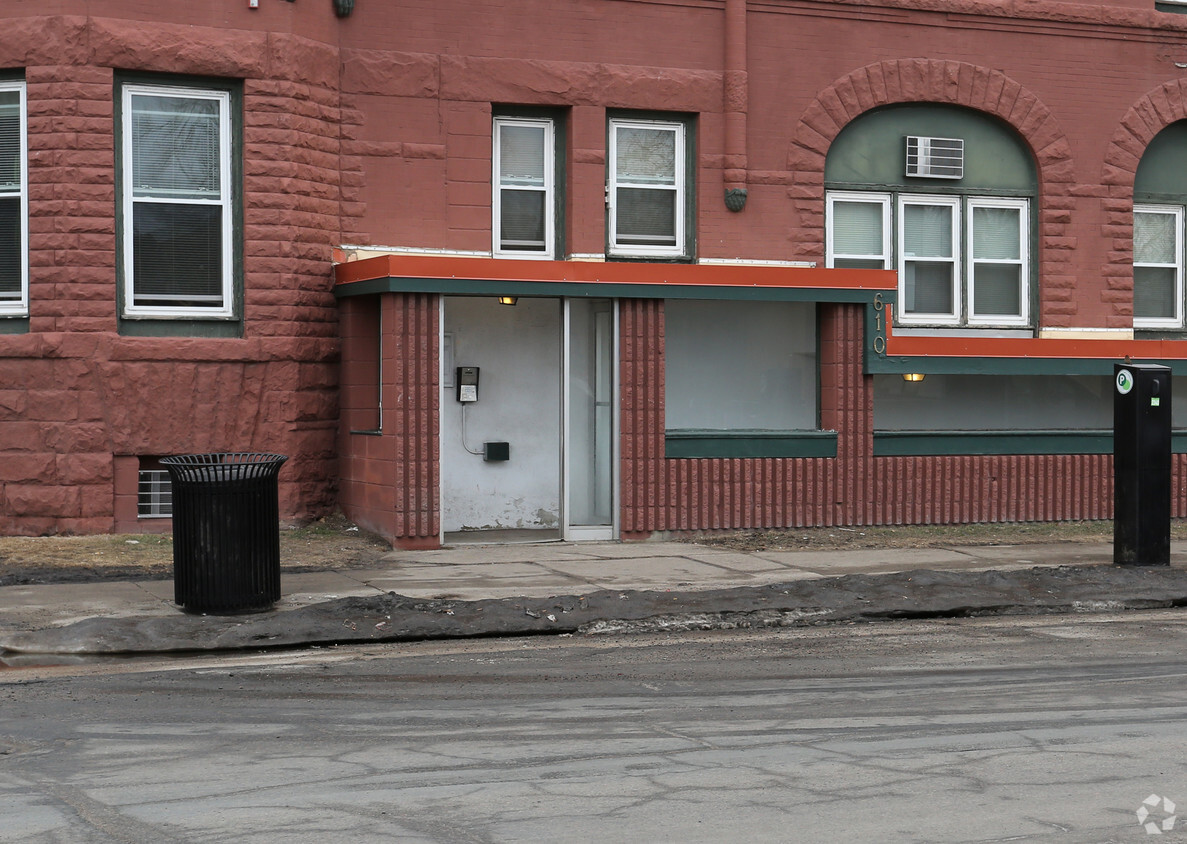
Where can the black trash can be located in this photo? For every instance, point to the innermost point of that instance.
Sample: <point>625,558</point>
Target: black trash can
<point>226,531</point>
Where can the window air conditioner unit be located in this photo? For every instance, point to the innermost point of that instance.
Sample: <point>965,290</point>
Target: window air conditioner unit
<point>935,158</point>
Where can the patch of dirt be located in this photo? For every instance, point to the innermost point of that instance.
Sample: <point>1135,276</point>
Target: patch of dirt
<point>329,543</point>
<point>919,536</point>
<point>335,543</point>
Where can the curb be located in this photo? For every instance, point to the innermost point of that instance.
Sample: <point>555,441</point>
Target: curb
<point>914,594</point>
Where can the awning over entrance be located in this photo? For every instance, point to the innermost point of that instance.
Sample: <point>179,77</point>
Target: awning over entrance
<point>459,276</point>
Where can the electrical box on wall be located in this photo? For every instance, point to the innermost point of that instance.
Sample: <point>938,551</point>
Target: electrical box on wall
<point>496,452</point>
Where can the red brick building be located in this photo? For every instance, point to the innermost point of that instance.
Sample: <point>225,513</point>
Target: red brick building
<point>730,228</point>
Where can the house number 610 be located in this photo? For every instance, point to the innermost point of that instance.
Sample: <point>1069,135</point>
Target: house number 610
<point>879,340</point>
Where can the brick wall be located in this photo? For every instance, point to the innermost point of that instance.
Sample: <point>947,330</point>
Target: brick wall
<point>375,130</point>
<point>391,477</point>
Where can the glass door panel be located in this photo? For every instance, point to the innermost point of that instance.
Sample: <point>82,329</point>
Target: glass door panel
<point>589,418</point>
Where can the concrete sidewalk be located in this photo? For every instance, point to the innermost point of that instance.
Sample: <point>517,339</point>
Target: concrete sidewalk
<point>477,572</point>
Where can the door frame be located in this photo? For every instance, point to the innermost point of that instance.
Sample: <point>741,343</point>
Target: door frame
<point>569,531</point>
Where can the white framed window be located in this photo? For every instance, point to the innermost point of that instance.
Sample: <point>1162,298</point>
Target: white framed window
<point>929,259</point>
<point>1158,266</point>
<point>646,189</point>
<point>524,200</point>
<point>14,201</point>
<point>859,232</point>
<point>962,260</point>
<point>998,243</point>
<point>177,202</point>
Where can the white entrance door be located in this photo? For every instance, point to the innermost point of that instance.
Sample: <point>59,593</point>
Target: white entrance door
<point>529,453</point>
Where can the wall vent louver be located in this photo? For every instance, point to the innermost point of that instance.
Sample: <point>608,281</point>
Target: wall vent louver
<point>935,158</point>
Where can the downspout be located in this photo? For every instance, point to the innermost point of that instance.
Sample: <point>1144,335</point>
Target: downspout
<point>735,95</point>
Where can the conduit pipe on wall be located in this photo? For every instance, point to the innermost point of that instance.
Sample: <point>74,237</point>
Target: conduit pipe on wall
<point>735,105</point>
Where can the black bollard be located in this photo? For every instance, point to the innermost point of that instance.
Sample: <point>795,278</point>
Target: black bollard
<point>1141,464</point>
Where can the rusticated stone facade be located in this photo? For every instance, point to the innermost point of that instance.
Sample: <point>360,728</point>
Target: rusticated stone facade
<point>374,132</point>
<point>79,398</point>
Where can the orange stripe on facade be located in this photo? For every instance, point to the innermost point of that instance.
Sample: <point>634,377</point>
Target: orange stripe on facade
<point>1048,348</point>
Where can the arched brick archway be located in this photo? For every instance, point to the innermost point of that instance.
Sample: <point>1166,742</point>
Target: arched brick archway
<point>1147,117</point>
<point>953,83</point>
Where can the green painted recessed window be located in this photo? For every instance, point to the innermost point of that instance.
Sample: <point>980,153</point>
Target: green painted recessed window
<point>1160,200</point>
<point>740,367</point>
<point>993,403</point>
<point>957,228</point>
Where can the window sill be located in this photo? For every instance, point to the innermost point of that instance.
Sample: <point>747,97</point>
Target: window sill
<point>652,259</point>
<point>701,444</point>
<point>941,443</point>
<point>962,331</point>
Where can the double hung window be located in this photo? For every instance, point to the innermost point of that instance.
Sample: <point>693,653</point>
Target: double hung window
<point>647,191</point>
<point>929,250</point>
<point>962,260</point>
<point>1158,266</point>
<point>859,231</point>
<point>14,198</point>
<point>525,188</point>
<point>177,202</point>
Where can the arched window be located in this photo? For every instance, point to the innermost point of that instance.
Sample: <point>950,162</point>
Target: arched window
<point>946,196</point>
<point>1159,196</point>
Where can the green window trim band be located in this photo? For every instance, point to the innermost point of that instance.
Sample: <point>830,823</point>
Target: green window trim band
<point>607,290</point>
<point>880,365</point>
<point>976,443</point>
<point>729,444</point>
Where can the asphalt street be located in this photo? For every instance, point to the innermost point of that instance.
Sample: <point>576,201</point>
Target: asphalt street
<point>1054,728</point>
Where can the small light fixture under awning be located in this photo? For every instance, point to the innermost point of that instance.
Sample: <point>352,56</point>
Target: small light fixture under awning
<point>913,376</point>
<point>508,300</point>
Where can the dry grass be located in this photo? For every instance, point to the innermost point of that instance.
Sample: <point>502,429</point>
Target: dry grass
<point>335,543</point>
<point>921,536</point>
<point>332,543</point>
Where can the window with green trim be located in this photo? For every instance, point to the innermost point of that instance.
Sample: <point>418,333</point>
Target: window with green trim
<point>739,371</point>
<point>993,403</point>
<point>946,196</point>
<point>993,414</point>
<point>177,195</point>
<point>14,201</point>
<point>1159,218</point>
<point>649,188</point>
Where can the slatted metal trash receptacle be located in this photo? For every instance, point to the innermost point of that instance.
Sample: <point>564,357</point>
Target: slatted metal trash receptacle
<point>226,531</point>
